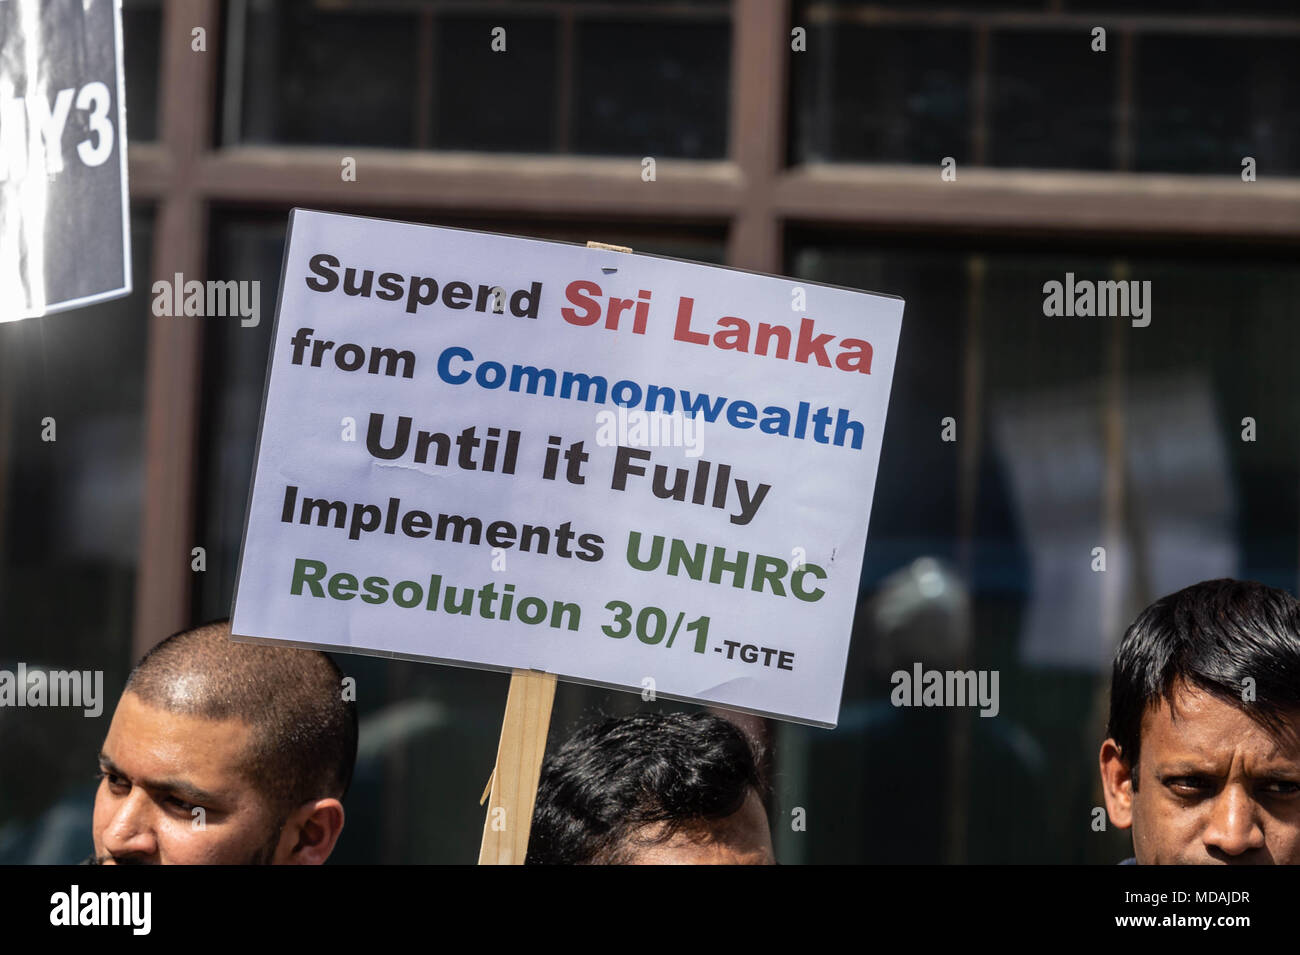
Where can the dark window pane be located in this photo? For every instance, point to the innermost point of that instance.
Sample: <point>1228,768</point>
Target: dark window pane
<point>652,89</point>
<point>69,538</point>
<point>692,4</point>
<point>142,40</point>
<point>495,100</point>
<point>881,94</point>
<point>322,75</point>
<point>1220,348</point>
<point>1205,102</point>
<point>946,6</point>
<point>1237,8</point>
<point>1052,102</point>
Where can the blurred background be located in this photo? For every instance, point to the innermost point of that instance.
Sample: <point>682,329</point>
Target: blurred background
<point>820,163</point>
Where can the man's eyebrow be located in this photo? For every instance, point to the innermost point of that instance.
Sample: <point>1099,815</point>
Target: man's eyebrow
<point>177,787</point>
<point>1278,775</point>
<point>1185,767</point>
<point>1276,769</point>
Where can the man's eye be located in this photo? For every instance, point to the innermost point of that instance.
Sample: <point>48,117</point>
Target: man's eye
<point>1282,787</point>
<point>180,804</point>
<point>114,782</point>
<point>1187,785</point>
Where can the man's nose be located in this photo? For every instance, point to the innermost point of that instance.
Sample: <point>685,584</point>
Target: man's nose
<point>129,834</point>
<point>1234,825</point>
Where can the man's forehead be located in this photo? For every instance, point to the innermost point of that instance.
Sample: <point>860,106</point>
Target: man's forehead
<point>742,837</point>
<point>162,743</point>
<point>683,850</point>
<point>1200,723</point>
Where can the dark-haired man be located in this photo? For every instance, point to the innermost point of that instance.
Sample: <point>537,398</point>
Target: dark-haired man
<point>1203,754</point>
<point>652,789</point>
<point>224,752</point>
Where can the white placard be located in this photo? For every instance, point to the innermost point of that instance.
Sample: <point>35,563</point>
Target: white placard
<point>65,229</point>
<point>457,463</point>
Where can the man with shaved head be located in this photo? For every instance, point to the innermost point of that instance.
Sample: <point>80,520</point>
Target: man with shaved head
<point>224,752</point>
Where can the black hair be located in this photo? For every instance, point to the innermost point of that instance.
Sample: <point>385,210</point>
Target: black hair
<point>1214,636</point>
<point>615,777</point>
<point>304,731</point>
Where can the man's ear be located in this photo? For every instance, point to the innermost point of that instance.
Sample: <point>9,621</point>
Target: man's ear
<point>1116,785</point>
<point>310,833</point>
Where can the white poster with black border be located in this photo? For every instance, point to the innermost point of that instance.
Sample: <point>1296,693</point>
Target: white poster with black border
<point>64,208</point>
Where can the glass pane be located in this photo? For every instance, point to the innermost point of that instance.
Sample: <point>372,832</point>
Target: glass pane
<point>947,6</point>
<point>69,538</point>
<point>495,100</point>
<point>1205,102</point>
<point>142,41</point>
<point>881,94</point>
<point>1052,102</point>
<point>652,89</point>
<point>1185,7</point>
<point>1224,353</point>
<point>323,75</point>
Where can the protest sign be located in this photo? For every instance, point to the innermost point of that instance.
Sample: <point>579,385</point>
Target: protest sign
<point>622,469</point>
<point>64,226</point>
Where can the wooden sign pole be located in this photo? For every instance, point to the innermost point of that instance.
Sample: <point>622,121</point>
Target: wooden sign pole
<point>512,791</point>
<point>513,787</point>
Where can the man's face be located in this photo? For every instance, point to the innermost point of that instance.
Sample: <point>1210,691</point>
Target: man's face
<point>157,767</point>
<point>1213,786</point>
<point>742,838</point>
